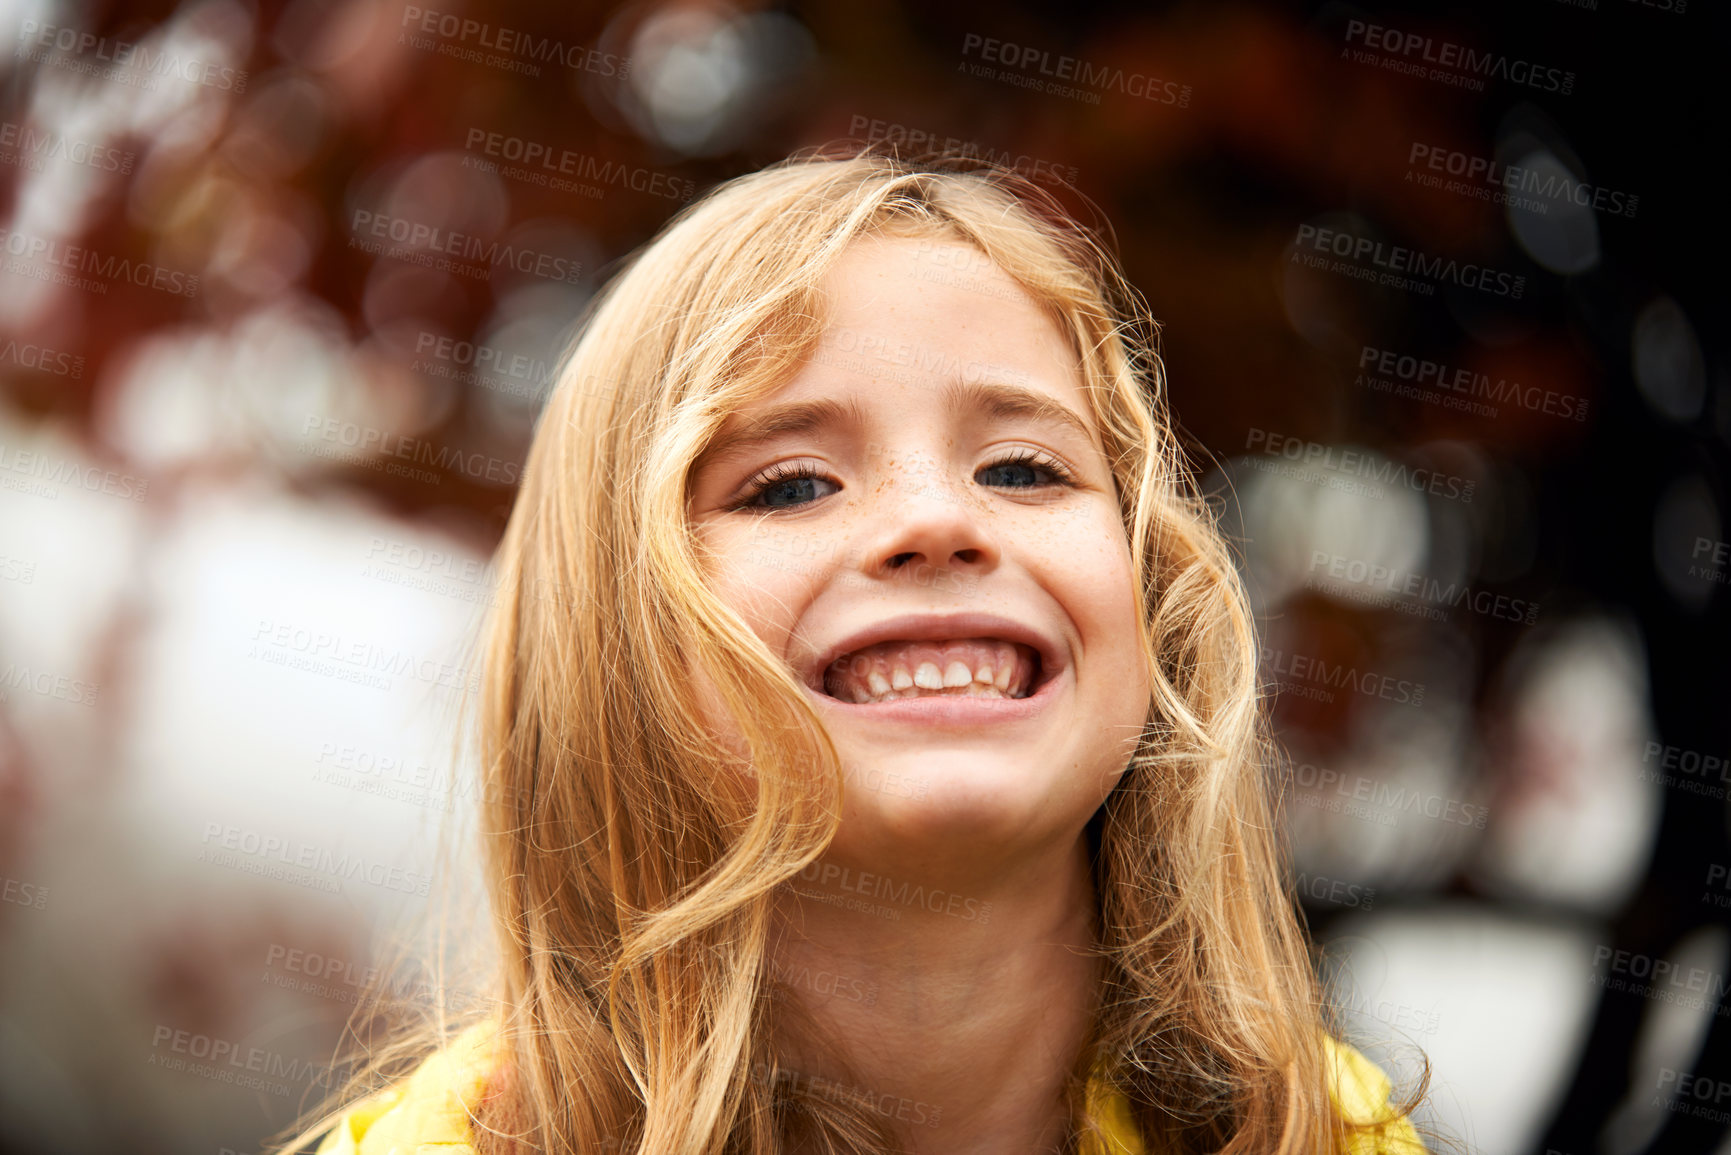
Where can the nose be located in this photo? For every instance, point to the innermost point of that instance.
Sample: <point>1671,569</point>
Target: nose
<point>924,523</point>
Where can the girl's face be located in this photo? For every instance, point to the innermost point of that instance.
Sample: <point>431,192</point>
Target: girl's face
<point>922,523</point>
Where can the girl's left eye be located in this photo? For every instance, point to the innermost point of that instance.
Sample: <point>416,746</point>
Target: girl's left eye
<point>1023,471</point>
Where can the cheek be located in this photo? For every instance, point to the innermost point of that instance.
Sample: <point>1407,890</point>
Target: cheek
<point>766,574</point>
<point>762,579</point>
<point>1105,604</point>
<point>1122,689</point>
<point>1097,571</point>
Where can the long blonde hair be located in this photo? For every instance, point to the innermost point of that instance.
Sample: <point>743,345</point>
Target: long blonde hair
<point>632,881</point>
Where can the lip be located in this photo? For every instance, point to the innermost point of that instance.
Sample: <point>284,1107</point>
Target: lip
<point>933,628</point>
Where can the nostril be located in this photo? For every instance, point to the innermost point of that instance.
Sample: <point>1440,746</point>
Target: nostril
<point>901,559</point>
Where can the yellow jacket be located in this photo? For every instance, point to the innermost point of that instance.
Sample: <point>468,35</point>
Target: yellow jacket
<point>428,1112</point>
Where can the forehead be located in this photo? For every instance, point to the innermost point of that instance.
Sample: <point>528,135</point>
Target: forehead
<point>930,283</point>
<point>901,309</point>
<point>908,325</point>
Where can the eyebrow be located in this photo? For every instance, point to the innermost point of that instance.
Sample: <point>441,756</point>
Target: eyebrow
<point>793,417</point>
<point>1000,400</point>
<point>995,399</point>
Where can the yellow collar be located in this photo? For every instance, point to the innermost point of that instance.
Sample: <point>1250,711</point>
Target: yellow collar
<point>1356,1086</point>
<point>1118,1128</point>
<point>432,1106</point>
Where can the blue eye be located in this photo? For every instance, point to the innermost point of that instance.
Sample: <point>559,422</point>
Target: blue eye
<point>1022,471</point>
<point>1010,475</point>
<point>791,491</point>
<point>787,486</point>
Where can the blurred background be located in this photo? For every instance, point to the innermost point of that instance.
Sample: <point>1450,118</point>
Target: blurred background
<point>283,289</point>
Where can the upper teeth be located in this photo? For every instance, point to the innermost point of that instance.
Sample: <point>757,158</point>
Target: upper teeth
<point>974,668</point>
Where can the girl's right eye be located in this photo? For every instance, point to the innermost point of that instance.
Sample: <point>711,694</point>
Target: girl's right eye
<point>786,486</point>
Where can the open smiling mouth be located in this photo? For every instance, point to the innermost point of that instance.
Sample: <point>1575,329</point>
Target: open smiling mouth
<point>959,668</point>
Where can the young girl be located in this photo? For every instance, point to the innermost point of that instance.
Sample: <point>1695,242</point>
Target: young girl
<point>872,740</point>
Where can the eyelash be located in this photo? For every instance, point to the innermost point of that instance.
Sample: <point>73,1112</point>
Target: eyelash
<point>795,470</point>
<point>1061,474</point>
<point>761,481</point>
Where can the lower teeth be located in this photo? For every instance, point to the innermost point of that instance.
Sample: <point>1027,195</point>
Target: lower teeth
<point>864,697</point>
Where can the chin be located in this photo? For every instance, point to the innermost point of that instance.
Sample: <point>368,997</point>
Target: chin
<point>943,799</point>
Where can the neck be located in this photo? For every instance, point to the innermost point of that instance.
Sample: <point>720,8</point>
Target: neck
<point>960,1005</point>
